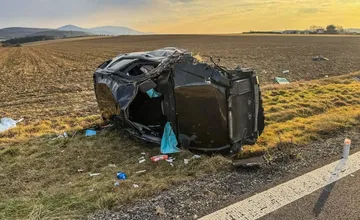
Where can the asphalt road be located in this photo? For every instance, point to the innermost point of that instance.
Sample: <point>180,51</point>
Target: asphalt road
<point>339,200</point>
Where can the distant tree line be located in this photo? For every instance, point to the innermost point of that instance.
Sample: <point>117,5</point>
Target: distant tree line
<point>21,40</point>
<point>330,29</point>
<point>314,29</point>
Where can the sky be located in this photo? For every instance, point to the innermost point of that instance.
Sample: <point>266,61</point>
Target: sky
<point>181,16</point>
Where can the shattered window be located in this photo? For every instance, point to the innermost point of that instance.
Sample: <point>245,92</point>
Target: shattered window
<point>121,64</point>
<point>140,70</point>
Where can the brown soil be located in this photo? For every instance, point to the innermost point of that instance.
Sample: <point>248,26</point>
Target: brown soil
<point>55,79</point>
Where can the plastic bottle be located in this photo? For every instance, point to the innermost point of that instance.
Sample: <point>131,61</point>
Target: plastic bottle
<point>346,150</point>
<point>159,157</point>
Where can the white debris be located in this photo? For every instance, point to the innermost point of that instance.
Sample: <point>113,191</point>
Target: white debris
<point>320,58</point>
<point>170,160</point>
<point>186,161</point>
<point>136,186</point>
<point>112,165</point>
<point>140,171</point>
<point>94,174</point>
<point>196,156</point>
<point>8,123</point>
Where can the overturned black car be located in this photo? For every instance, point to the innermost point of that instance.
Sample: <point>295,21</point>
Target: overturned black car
<point>206,107</point>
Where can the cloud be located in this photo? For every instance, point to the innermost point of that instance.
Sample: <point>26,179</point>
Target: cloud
<point>181,1</point>
<point>23,10</point>
<point>180,16</point>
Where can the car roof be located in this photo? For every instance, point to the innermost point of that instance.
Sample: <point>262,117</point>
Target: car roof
<point>156,56</point>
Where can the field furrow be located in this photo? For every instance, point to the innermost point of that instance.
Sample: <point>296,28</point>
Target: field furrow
<point>42,80</point>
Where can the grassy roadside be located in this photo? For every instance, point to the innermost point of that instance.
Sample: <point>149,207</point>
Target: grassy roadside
<point>302,112</point>
<point>40,179</point>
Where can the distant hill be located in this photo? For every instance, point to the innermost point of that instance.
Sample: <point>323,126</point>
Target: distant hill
<point>12,32</point>
<point>356,30</point>
<point>72,28</point>
<point>104,30</point>
<point>65,31</point>
<point>21,32</point>
<point>115,30</point>
<point>60,34</point>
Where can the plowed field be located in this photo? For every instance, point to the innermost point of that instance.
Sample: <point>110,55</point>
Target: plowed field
<point>50,79</point>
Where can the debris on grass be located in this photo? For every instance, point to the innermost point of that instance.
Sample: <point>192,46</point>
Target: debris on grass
<point>170,159</point>
<point>159,157</point>
<point>8,123</point>
<point>140,171</point>
<point>112,165</point>
<point>80,170</point>
<point>121,176</point>
<point>94,174</point>
<point>196,156</point>
<point>142,159</point>
<point>186,161</point>
<point>253,162</point>
<point>136,186</point>
<point>319,58</point>
<point>168,141</point>
<point>286,71</point>
<point>90,132</point>
<point>64,135</point>
<point>281,80</point>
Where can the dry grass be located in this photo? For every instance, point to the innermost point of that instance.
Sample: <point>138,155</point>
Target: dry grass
<point>302,112</point>
<point>40,178</point>
<point>50,85</point>
<point>51,127</point>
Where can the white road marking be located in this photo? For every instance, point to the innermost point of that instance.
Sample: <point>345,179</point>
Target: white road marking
<point>270,200</point>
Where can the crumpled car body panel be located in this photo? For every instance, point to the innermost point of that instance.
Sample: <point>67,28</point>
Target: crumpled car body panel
<point>208,107</point>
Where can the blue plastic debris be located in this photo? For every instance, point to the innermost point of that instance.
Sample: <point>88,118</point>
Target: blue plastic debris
<point>90,133</point>
<point>121,176</point>
<point>168,141</point>
<point>153,94</point>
